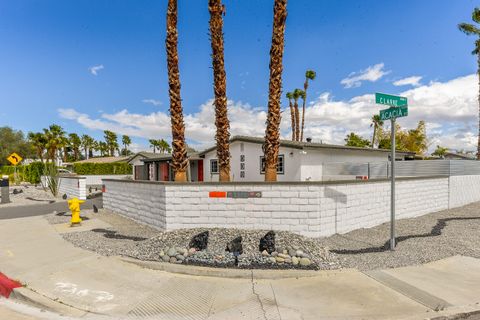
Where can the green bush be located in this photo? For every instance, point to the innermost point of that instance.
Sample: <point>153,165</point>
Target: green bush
<point>102,168</point>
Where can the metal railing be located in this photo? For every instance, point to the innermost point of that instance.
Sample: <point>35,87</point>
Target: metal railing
<point>417,168</point>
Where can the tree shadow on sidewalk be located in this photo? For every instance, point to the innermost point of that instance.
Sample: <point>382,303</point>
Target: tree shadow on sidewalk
<point>436,231</point>
<point>110,234</point>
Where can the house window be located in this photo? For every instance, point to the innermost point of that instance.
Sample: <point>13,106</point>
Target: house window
<point>280,164</point>
<point>214,166</point>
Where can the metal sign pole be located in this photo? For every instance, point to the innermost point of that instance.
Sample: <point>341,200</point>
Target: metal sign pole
<point>392,190</point>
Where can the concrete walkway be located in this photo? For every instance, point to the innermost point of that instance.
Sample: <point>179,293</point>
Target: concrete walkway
<point>92,286</point>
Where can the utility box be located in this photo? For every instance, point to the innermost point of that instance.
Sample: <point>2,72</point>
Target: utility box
<point>5,189</point>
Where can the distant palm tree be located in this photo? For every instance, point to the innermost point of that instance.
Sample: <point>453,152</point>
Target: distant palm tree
<point>272,132</point>
<point>164,147</point>
<point>474,30</point>
<point>153,144</point>
<point>297,93</point>
<point>222,136</point>
<point>376,124</point>
<point>179,156</point>
<point>111,140</point>
<point>126,141</point>
<point>289,96</point>
<point>309,75</point>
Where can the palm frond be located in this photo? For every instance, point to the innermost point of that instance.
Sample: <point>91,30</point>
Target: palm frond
<point>476,15</point>
<point>469,29</point>
<point>310,74</point>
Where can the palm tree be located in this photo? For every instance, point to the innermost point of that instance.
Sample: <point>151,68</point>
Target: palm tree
<point>164,147</point>
<point>153,144</point>
<point>87,143</point>
<point>39,142</point>
<point>272,132</point>
<point>55,137</point>
<point>289,96</point>
<point>222,135</point>
<point>297,93</point>
<point>309,75</point>
<point>111,140</point>
<point>474,30</point>
<point>126,141</point>
<point>376,124</point>
<point>179,156</point>
<point>75,143</point>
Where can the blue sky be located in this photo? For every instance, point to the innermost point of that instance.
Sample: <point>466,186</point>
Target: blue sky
<point>48,48</point>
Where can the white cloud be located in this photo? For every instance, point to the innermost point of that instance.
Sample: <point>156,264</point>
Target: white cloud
<point>95,69</point>
<point>450,110</point>
<point>152,102</point>
<point>372,74</point>
<point>409,81</point>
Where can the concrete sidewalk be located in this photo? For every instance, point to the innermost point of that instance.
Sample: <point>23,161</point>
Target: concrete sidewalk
<point>89,286</point>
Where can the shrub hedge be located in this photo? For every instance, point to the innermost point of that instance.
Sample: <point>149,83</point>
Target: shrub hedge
<point>30,173</point>
<point>102,168</point>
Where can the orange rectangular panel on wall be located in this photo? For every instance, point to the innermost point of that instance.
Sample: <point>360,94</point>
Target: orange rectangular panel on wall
<point>217,194</point>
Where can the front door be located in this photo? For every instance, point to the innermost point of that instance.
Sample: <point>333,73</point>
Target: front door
<point>164,171</point>
<point>200,170</point>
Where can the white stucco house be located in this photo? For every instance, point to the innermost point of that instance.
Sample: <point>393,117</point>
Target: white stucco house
<point>298,161</point>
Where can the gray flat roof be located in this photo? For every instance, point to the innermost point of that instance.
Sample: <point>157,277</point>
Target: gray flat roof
<point>304,145</point>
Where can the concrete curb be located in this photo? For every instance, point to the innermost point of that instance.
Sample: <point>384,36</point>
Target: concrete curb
<point>232,273</point>
<point>32,298</point>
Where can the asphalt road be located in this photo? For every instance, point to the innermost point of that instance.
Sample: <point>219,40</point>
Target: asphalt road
<point>46,208</point>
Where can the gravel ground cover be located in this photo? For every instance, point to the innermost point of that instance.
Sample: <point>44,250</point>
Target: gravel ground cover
<point>27,195</point>
<point>419,240</point>
<point>128,238</point>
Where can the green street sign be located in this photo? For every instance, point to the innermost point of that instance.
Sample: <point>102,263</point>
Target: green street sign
<point>392,113</point>
<point>389,100</point>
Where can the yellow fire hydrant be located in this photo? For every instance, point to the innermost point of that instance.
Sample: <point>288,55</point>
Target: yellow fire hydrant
<point>74,206</point>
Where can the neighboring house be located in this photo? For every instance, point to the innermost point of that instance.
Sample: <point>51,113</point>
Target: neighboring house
<point>138,166</point>
<point>297,161</point>
<point>104,160</point>
<point>459,156</point>
<point>157,166</point>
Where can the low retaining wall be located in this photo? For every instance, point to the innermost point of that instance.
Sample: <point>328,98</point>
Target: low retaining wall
<point>73,187</point>
<point>309,208</point>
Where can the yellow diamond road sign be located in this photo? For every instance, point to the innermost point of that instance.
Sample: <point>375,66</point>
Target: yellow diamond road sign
<point>14,159</point>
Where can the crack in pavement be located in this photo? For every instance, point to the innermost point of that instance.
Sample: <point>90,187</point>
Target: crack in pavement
<point>258,298</point>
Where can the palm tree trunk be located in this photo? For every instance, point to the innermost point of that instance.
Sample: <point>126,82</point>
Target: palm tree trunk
<point>478,72</point>
<point>179,155</point>
<point>272,132</point>
<point>305,87</point>
<point>297,122</point>
<point>292,116</point>
<point>222,136</point>
<point>374,134</point>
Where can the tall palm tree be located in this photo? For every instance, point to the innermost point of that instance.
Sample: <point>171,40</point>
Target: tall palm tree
<point>297,93</point>
<point>39,142</point>
<point>309,75</point>
<point>474,30</point>
<point>222,135</point>
<point>111,140</point>
<point>272,132</point>
<point>75,143</point>
<point>376,124</point>
<point>55,136</point>
<point>179,156</point>
<point>289,96</point>
<point>87,144</point>
<point>126,141</point>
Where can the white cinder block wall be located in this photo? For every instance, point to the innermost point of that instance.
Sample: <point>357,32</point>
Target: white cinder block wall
<point>141,200</point>
<point>73,187</point>
<point>312,209</point>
